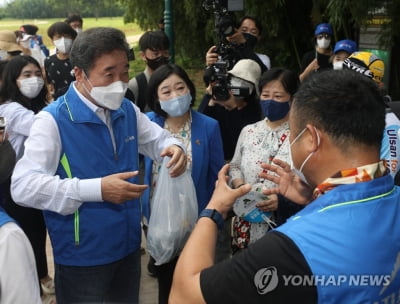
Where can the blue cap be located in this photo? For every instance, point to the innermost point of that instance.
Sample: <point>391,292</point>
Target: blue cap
<point>323,28</point>
<point>347,45</point>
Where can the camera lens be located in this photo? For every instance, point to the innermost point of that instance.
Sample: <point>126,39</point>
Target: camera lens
<point>220,92</point>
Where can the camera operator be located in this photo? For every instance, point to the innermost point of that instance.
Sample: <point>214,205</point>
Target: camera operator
<point>240,108</point>
<point>243,41</point>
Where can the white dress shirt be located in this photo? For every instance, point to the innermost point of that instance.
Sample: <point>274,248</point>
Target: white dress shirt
<point>34,183</point>
<point>19,122</point>
<point>18,275</point>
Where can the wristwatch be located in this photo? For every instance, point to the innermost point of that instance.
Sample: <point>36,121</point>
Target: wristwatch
<point>215,216</point>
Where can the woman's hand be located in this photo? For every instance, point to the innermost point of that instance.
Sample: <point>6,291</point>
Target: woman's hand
<point>269,205</point>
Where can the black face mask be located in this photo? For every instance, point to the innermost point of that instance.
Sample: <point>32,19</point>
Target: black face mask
<point>155,63</point>
<point>251,40</point>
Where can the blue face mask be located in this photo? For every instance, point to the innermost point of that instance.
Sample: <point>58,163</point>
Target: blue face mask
<point>274,110</point>
<point>176,106</point>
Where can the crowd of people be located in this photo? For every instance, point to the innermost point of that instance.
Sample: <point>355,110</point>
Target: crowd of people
<point>293,172</point>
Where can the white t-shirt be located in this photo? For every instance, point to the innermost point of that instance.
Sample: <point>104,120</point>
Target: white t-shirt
<point>19,122</point>
<point>18,275</point>
<point>265,59</point>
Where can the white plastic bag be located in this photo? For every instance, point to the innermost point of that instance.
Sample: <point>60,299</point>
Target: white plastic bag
<point>173,216</point>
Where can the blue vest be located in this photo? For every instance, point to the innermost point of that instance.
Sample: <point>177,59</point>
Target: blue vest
<point>4,217</point>
<point>99,232</point>
<point>350,238</point>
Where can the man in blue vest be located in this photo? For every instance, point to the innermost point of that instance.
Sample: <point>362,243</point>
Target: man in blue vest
<point>344,245</point>
<point>80,166</point>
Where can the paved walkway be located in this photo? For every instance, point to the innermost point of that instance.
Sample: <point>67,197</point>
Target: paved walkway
<point>148,284</point>
<point>133,38</point>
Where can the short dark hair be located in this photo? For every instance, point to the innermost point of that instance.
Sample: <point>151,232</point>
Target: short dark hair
<point>344,104</point>
<point>30,29</point>
<point>10,90</point>
<point>61,28</point>
<point>95,42</point>
<point>289,79</point>
<point>154,40</point>
<point>258,23</point>
<point>73,18</point>
<point>159,75</point>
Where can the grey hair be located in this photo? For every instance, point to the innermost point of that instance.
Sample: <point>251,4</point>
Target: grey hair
<point>95,42</point>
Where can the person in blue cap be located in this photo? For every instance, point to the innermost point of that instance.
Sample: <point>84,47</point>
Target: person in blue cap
<point>319,58</point>
<point>342,50</point>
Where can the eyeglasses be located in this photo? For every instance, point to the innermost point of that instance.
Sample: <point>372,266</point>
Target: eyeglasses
<point>326,36</point>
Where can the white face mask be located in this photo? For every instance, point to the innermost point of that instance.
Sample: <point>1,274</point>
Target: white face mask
<point>237,82</point>
<point>26,44</point>
<point>63,45</point>
<point>3,55</point>
<point>338,65</point>
<point>78,30</point>
<point>31,87</point>
<point>110,96</point>
<point>323,43</point>
<point>299,172</point>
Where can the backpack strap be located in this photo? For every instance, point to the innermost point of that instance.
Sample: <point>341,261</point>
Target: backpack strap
<point>142,88</point>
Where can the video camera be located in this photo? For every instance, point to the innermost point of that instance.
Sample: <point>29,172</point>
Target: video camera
<point>225,25</point>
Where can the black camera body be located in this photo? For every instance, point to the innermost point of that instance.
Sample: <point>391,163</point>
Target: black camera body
<point>222,86</point>
<point>220,90</point>
<point>225,25</point>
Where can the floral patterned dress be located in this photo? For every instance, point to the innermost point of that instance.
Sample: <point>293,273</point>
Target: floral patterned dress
<point>257,143</point>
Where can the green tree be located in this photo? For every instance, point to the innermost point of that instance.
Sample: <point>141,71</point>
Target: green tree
<point>288,25</point>
<point>27,9</point>
<point>36,9</point>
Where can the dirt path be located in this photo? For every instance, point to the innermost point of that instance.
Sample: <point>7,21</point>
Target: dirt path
<point>133,38</point>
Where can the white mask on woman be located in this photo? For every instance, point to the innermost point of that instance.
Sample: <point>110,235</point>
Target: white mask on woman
<point>26,44</point>
<point>31,87</point>
<point>63,44</point>
<point>338,65</point>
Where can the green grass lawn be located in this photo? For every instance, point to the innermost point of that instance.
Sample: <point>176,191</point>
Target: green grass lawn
<point>43,24</point>
<point>130,29</point>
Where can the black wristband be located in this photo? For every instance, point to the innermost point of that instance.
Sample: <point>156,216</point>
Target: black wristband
<point>214,215</point>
